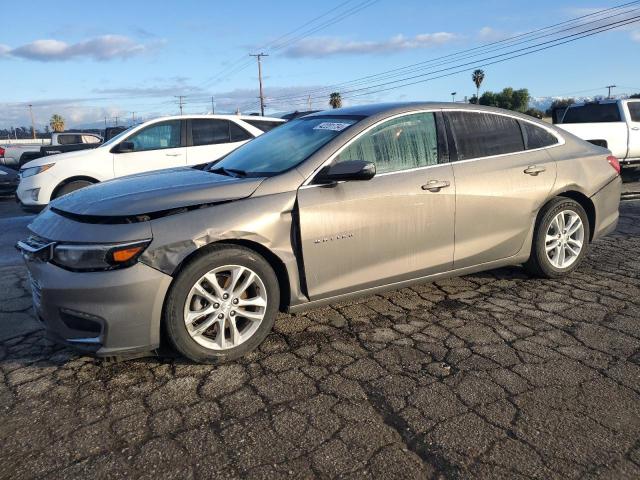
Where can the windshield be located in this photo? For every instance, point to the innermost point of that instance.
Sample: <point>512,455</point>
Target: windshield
<point>284,147</point>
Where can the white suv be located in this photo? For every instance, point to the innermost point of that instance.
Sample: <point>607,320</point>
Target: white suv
<point>158,144</point>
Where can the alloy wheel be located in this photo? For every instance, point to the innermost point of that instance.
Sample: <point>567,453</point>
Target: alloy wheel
<point>225,306</point>
<point>564,239</point>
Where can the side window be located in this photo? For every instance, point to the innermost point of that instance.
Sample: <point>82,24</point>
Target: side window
<point>536,137</point>
<point>407,142</point>
<point>264,125</point>
<point>209,132</point>
<point>483,134</point>
<point>634,111</point>
<point>90,139</point>
<point>69,139</point>
<point>157,136</point>
<point>237,133</point>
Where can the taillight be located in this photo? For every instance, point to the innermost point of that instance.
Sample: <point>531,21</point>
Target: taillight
<point>1,152</point>
<point>613,161</point>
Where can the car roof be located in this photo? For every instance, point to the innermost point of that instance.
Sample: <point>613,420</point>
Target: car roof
<point>216,116</point>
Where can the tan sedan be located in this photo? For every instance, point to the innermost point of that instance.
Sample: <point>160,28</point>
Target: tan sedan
<point>335,204</point>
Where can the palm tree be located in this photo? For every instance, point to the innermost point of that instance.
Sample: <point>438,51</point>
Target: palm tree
<point>478,77</point>
<point>335,100</point>
<point>57,123</point>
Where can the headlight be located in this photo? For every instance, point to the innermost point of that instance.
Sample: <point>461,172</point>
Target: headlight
<point>30,172</point>
<point>93,257</point>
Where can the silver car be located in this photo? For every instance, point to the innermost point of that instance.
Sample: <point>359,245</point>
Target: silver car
<point>335,204</point>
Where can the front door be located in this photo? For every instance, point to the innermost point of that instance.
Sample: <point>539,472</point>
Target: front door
<point>500,186</point>
<point>361,234</point>
<point>155,147</point>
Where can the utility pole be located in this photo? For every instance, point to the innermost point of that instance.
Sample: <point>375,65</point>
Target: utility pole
<point>213,107</point>
<point>609,87</point>
<point>105,123</point>
<point>116,120</point>
<point>453,96</point>
<point>133,118</point>
<point>309,102</point>
<point>259,57</point>
<point>33,125</point>
<point>180,101</point>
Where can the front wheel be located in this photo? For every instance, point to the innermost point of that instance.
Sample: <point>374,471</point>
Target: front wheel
<point>560,239</point>
<point>71,187</point>
<point>222,305</point>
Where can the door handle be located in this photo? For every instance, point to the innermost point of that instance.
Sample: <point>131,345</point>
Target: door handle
<point>173,154</point>
<point>436,185</point>
<point>635,128</point>
<point>534,170</point>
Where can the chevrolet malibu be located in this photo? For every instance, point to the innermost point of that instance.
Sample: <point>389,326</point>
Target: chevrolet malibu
<point>335,204</point>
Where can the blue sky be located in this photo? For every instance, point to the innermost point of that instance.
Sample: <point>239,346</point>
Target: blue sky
<point>87,62</point>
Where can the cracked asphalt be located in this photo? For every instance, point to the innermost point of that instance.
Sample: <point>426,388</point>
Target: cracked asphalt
<point>493,375</point>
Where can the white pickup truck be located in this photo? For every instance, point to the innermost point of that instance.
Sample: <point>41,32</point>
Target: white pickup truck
<point>613,124</point>
<point>14,155</point>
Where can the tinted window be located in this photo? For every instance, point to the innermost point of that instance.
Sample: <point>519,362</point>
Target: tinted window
<point>399,144</point>
<point>483,134</point>
<point>264,125</point>
<point>634,110</point>
<point>209,132</point>
<point>286,146</point>
<point>69,139</point>
<point>536,137</point>
<point>157,136</point>
<point>238,134</point>
<point>593,113</point>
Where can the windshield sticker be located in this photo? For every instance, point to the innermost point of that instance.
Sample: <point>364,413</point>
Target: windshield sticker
<point>333,126</point>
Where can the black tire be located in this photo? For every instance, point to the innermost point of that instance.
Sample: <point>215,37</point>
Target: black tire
<point>70,187</point>
<point>538,263</point>
<point>209,259</point>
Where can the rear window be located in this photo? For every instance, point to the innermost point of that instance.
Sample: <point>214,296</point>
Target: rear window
<point>634,111</point>
<point>483,134</point>
<point>593,113</point>
<point>536,137</point>
<point>264,125</point>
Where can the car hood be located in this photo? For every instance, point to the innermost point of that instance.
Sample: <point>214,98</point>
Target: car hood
<point>154,192</point>
<point>58,157</point>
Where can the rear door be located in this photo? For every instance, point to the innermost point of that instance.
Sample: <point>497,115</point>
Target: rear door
<point>500,186</point>
<point>361,234</point>
<point>210,139</point>
<point>633,114</point>
<point>156,147</point>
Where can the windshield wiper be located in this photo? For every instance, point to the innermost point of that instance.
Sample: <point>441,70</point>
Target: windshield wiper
<point>237,171</point>
<point>229,172</point>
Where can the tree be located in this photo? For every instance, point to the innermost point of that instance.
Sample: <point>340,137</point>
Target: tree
<point>335,100</point>
<point>635,95</point>
<point>508,99</point>
<point>559,103</point>
<point>478,77</point>
<point>57,123</point>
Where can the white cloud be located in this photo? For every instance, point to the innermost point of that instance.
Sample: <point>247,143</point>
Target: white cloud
<point>488,34</point>
<point>326,46</point>
<point>635,36</point>
<point>104,47</point>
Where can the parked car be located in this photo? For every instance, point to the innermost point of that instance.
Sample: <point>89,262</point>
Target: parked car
<point>62,143</point>
<point>8,181</point>
<point>154,145</point>
<point>612,124</point>
<point>15,155</point>
<point>335,204</point>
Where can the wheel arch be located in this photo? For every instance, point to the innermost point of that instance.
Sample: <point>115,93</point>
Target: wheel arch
<point>584,201</point>
<point>67,181</point>
<point>271,258</point>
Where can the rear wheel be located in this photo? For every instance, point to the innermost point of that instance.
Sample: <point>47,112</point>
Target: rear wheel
<point>222,305</point>
<point>560,239</point>
<point>71,187</point>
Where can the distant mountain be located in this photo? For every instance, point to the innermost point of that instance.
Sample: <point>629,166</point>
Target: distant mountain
<point>542,103</point>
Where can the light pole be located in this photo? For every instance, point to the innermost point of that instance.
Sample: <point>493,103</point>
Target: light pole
<point>453,96</point>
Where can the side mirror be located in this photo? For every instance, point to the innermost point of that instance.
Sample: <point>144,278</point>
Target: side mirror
<point>125,147</point>
<point>351,170</point>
